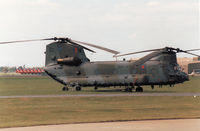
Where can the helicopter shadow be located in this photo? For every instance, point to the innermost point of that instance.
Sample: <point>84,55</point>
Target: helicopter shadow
<point>113,90</point>
<point>123,91</point>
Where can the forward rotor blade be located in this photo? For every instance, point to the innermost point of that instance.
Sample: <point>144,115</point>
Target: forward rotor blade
<point>138,52</point>
<point>191,53</point>
<point>98,47</point>
<point>193,50</point>
<point>8,42</point>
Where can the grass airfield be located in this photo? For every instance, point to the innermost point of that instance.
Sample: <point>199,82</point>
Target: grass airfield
<point>10,86</point>
<point>42,111</point>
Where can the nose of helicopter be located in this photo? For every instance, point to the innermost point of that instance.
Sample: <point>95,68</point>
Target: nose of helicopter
<point>181,77</point>
<point>184,76</point>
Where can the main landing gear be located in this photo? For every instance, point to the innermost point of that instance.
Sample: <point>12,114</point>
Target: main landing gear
<point>78,88</point>
<point>128,89</point>
<point>139,89</point>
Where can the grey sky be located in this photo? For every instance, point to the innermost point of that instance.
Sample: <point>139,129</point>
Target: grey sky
<point>124,25</point>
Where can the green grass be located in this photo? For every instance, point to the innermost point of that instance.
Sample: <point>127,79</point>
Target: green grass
<point>41,111</point>
<point>45,86</point>
<point>28,86</point>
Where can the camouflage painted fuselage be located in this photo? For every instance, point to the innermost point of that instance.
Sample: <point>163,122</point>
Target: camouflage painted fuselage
<point>157,68</point>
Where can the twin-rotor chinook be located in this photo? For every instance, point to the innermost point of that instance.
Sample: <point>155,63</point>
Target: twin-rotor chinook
<point>67,63</point>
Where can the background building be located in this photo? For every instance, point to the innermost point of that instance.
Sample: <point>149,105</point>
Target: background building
<point>189,64</point>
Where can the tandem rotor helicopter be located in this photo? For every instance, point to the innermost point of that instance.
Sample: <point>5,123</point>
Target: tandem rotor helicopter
<point>67,63</point>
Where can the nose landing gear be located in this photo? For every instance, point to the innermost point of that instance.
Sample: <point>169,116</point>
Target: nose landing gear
<point>65,88</point>
<point>95,88</point>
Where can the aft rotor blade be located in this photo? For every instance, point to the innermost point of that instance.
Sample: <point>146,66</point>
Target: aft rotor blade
<point>138,52</point>
<point>74,43</point>
<point>19,41</point>
<point>98,47</point>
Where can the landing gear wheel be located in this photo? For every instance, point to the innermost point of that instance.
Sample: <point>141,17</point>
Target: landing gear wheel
<point>65,88</point>
<point>139,89</point>
<point>95,88</point>
<point>128,89</point>
<point>78,88</point>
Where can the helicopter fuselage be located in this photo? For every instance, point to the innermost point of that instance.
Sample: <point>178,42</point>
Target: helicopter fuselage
<point>69,65</point>
<point>117,73</point>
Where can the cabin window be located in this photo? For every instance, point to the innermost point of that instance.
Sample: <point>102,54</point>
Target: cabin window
<point>78,72</point>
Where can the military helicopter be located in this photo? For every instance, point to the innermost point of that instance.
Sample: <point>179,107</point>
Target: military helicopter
<point>67,63</point>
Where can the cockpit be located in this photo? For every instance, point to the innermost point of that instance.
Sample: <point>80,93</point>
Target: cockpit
<point>178,68</point>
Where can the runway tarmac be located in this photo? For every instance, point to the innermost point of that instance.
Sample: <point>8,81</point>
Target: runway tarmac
<point>150,125</point>
<point>104,95</point>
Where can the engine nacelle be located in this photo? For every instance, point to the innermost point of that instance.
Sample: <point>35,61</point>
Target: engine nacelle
<point>70,61</point>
